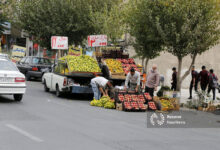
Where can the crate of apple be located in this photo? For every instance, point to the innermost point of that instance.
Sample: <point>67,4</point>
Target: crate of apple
<point>142,106</point>
<point>128,97</point>
<point>134,97</point>
<point>152,106</point>
<point>147,96</point>
<point>134,105</point>
<point>127,106</point>
<point>141,98</point>
<point>121,97</point>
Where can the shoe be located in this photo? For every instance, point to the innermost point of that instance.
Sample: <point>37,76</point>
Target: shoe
<point>190,97</point>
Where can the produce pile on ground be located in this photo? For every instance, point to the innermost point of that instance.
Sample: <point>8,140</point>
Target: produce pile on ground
<point>82,63</point>
<point>114,66</point>
<point>105,102</point>
<point>132,101</point>
<point>166,105</point>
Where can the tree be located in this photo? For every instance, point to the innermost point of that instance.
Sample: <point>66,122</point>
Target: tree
<point>147,41</point>
<point>187,28</point>
<point>109,19</point>
<point>3,17</point>
<point>72,18</point>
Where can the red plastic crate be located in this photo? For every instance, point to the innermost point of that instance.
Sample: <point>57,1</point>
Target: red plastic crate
<point>152,105</point>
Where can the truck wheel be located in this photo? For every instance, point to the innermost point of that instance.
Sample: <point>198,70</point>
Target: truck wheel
<point>46,89</point>
<point>58,93</point>
<point>18,97</point>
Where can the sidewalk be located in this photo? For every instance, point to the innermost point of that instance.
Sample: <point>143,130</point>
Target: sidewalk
<point>185,95</point>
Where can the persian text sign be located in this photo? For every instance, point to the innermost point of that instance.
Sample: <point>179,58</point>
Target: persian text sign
<point>59,42</point>
<point>97,40</point>
<point>18,51</point>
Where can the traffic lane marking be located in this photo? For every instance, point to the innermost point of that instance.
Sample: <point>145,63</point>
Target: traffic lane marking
<point>24,133</point>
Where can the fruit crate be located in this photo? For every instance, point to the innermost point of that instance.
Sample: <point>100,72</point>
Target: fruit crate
<point>152,106</point>
<point>131,102</point>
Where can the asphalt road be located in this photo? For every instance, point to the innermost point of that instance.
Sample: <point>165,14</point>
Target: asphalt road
<point>44,122</point>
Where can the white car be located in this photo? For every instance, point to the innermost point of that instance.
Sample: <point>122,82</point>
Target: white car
<point>12,82</point>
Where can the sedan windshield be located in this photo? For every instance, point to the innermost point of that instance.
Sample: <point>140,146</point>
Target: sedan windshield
<point>7,66</point>
<point>40,61</point>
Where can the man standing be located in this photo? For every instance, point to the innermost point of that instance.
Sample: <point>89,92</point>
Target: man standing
<point>174,79</point>
<point>204,78</point>
<point>133,78</point>
<point>194,81</point>
<point>153,79</point>
<point>213,83</point>
<point>100,85</point>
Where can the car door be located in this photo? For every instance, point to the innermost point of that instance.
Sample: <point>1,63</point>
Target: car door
<point>20,65</point>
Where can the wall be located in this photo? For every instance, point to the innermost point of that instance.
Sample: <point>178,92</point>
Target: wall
<point>166,61</point>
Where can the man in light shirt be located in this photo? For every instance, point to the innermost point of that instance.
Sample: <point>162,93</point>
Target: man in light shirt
<point>100,85</point>
<point>153,80</point>
<point>133,78</point>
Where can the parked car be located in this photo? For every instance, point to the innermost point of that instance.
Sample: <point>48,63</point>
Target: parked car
<point>4,56</point>
<point>12,82</point>
<point>33,66</point>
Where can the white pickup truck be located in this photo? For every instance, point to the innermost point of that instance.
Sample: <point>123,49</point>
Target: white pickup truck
<point>60,82</point>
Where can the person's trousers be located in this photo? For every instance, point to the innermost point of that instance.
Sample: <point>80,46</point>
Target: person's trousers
<point>191,88</point>
<point>150,91</point>
<point>213,91</point>
<point>203,86</point>
<point>96,91</point>
<point>174,85</point>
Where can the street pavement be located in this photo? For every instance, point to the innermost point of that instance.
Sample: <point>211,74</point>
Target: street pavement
<point>44,122</point>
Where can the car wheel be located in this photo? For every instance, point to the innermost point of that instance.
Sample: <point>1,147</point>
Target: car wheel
<point>46,89</point>
<point>27,75</point>
<point>18,97</point>
<point>58,93</point>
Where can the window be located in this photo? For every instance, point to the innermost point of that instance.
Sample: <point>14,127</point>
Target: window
<point>7,66</point>
<point>27,61</point>
<point>23,60</point>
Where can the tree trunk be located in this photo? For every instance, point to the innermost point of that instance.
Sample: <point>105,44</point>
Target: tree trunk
<point>146,63</point>
<point>142,61</point>
<point>179,82</point>
<point>190,68</point>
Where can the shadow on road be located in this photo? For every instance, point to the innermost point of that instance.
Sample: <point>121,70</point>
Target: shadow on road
<point>78,97</point>
<point>6,100</point>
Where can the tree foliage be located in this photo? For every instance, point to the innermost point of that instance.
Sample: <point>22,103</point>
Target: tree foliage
<point>109,19</point>
<point>73,18</point>
<point>147,41</point>
<point>187,28</point>
<point>3,17</point>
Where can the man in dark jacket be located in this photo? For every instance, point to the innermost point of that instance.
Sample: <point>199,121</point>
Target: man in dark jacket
<point>204,78</point>
<point>174,79</point>
<point>194,81</point>
<point>213,83</point>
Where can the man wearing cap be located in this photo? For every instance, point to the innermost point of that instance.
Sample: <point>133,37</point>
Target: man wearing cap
<point>153,80</point>
<point>100,85</point>
<point>133,78</point>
